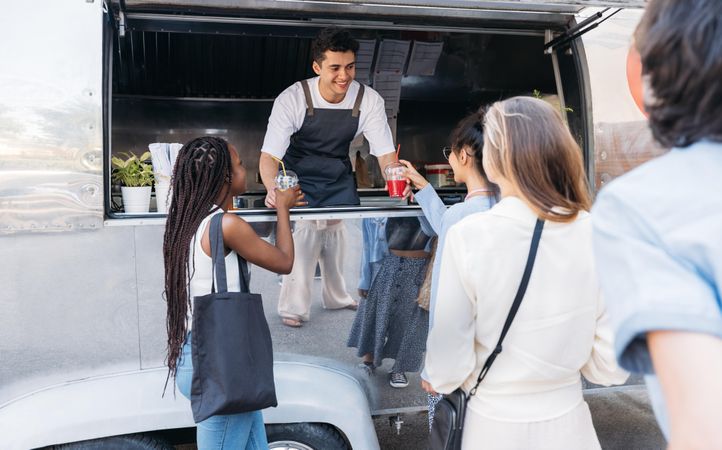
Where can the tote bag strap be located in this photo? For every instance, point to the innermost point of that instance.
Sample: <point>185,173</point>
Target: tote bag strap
<point>218,255</point>
<point>219,259</point>
<point>243,274</point>
<point>515,306</point>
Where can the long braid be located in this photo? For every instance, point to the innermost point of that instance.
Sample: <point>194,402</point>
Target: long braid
<point>202,172</point>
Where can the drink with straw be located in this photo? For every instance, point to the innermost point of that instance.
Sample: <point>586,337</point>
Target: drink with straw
<point>395,179</point>
<point>285,179</point>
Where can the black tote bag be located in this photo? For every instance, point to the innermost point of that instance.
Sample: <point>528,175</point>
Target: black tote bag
<point>231,344</point>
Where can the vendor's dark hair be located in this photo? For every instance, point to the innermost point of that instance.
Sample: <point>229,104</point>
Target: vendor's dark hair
<point>202,171</point>
<point>469,134</point>
<point>335,39</point>
<point>680,44</point>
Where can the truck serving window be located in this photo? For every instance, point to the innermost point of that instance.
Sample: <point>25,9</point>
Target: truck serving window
<point>175,77</point>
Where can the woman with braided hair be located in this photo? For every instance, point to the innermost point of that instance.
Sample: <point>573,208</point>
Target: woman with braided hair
<point>206,176</point>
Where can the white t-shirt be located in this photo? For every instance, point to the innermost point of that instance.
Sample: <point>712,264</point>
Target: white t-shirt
<point>289,111</point>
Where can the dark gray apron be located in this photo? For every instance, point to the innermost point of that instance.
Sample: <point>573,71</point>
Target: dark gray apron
<point>318,153</point>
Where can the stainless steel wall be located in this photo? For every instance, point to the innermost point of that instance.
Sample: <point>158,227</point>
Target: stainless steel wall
<point>51,137</point>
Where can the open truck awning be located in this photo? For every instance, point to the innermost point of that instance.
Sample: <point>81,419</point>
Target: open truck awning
<point>553,6</point>
<point>545,13</point>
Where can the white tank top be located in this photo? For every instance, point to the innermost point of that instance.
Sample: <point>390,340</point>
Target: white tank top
<point>200,281</point>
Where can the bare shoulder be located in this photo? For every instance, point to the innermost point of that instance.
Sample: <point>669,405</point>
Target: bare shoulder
<point>234,223</point>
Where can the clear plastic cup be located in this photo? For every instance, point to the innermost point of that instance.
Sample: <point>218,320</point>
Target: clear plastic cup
<point>395,179</point>
<point>286,180</point>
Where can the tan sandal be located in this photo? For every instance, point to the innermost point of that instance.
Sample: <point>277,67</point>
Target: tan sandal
<point>293,323</point>
<point>353,306</point>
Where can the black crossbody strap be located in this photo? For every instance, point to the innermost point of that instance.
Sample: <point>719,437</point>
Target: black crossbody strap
<point>515,306</point>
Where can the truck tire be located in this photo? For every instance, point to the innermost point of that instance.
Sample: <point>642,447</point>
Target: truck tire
<point>125,442</point>
<point>305,436</point>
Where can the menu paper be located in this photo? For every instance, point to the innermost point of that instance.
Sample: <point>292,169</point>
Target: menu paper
<point>424,57</point>
<point>388,85</point>
<point>364,60</point>
<point>392,56</point>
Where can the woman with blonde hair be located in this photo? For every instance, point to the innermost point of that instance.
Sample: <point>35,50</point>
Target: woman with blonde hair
<point>532,396</point>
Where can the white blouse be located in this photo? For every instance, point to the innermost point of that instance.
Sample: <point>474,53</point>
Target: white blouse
<point>560,330</point>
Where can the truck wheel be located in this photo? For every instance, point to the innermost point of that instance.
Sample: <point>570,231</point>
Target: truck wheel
<point>126,442</point>
<point>305,436</point>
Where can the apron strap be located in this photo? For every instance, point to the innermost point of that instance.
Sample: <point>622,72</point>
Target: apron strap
<point>357,104</point>
<point>307,94</point>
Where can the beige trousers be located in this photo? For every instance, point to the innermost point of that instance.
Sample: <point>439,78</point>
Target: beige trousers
<point>321,241</point>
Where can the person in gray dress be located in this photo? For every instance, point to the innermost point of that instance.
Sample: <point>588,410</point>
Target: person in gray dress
<point>389,322</point>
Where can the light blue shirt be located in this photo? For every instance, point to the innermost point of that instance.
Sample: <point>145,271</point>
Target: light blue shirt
<point>441,218</point>
<point>373,250</point>
<point>658,246</point>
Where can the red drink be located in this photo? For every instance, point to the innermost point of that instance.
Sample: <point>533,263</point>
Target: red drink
<point>396,188</point>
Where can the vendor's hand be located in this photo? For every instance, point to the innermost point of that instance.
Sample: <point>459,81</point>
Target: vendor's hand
<point>288,198</point>
<point>270,198</point>
<point>413,175</point>
<point>426,386</point>
<point>408,191</point>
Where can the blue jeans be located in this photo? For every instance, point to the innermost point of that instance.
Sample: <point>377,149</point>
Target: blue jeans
<point>244,431</point>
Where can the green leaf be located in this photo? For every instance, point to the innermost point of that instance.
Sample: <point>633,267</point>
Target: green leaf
<point>132,171</point>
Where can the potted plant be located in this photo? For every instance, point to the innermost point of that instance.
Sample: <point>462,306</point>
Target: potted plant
<point>135,175</point>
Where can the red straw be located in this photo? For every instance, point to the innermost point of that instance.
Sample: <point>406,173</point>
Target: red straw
<point>398,149</point>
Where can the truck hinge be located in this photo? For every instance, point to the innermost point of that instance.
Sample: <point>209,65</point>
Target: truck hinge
<point>576,31</point>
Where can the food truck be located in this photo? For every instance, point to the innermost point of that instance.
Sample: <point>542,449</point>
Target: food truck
<point>82,328</point>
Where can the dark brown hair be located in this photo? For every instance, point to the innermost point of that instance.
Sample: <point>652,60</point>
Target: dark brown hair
<point>335,39</point>
<point>201,173</point>
<point>527,142</point>
<point>680,45</point>
<point>469,135</point>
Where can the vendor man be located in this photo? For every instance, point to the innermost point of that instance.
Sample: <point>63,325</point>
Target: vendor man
<point>311,127</point>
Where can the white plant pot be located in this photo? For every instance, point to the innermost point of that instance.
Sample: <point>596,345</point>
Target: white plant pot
<point>136,200</point>
<point>162,196</point>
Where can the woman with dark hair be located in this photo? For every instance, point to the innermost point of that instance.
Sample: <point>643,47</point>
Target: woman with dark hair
<point>465,158</point>
<point>532,396</point>
<point>206,176</point>
<point>657,228</point>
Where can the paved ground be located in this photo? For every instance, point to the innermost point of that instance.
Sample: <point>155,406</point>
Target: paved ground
<point>622,417</point>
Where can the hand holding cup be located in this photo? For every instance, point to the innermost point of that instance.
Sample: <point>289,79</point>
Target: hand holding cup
<point>395,179</point>
<point>289,198</point>
<point>287,192</point>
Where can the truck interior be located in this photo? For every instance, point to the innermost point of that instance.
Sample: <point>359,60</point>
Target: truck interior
<point>178,70</point>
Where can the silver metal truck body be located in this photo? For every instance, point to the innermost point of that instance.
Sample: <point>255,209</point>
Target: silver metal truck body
<point>82,319</point>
